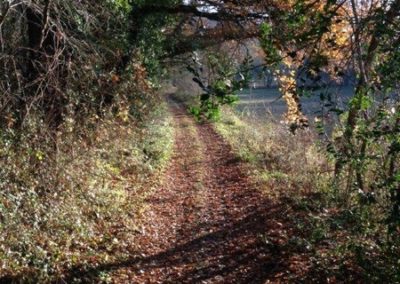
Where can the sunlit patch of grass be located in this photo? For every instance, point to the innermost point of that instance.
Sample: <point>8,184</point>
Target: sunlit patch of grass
<point>282,160</point>
<point>274,177</point>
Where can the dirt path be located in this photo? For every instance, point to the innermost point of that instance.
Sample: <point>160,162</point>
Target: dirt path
<point>205,224</point>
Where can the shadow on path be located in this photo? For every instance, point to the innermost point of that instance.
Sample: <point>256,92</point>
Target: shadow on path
<point>234,254</point>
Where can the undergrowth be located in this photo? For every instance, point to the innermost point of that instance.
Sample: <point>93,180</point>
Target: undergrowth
<point>333,238</point>
<point>79,206</point>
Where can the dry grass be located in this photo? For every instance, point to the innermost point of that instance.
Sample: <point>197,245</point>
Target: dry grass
<point>282,161</point>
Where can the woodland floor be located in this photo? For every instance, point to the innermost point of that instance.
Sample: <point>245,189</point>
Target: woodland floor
<point>206,223</point>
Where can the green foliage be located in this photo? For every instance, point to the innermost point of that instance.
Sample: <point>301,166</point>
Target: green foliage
<point>152,37</point>
<point>165,3</point>
<point>222,85</point>
<point>122,5</point>
<point>272,53</point>
<point>151,44</point>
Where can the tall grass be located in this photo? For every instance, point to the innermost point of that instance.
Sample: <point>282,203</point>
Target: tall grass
<point>282,161</point>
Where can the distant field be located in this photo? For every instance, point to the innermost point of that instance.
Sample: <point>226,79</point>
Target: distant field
<point>267,103</point>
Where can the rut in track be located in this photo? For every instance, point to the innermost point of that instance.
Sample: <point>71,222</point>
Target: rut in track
<point>204,225</point>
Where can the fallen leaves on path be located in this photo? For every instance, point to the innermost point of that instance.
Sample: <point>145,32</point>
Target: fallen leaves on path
<point>208,222</point>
